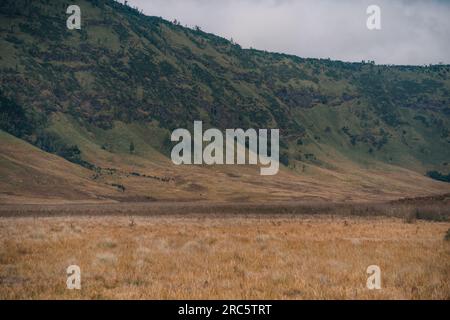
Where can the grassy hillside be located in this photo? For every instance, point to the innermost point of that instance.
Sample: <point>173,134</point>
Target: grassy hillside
<point>125,78</point>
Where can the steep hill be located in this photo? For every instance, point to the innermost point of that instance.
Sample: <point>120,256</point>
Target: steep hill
<point>349,131</point>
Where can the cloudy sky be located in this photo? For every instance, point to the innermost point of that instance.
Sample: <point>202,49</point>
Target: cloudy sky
<point>413,31</point>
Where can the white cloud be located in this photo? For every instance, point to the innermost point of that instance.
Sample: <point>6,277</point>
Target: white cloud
<point>413,31</point>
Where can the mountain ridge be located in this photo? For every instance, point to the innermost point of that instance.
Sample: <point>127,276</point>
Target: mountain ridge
<point>126,78</point>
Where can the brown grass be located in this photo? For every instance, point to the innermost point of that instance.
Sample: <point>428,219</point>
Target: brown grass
<point>228,257</point>
<point>430,209</point>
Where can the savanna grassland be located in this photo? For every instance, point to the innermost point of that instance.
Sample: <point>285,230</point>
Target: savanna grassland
<point>223,256</point>
<point>86,176</point>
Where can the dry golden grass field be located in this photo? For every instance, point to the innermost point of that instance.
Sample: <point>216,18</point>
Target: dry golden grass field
<point>223,256</point>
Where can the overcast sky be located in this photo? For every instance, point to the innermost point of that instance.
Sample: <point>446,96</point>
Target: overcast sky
<point>413,31</point>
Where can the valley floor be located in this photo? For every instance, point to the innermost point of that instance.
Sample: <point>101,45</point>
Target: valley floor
<point>199,256</point>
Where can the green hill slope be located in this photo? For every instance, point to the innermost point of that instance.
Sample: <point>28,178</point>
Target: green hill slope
<point>124,78</point>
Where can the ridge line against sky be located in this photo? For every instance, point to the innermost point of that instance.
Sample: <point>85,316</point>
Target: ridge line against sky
<point>414,32</point>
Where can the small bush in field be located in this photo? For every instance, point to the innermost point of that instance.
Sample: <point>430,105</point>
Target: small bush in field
<point>447,235</point>
<point>411,217</point>
<point>432,214</point>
